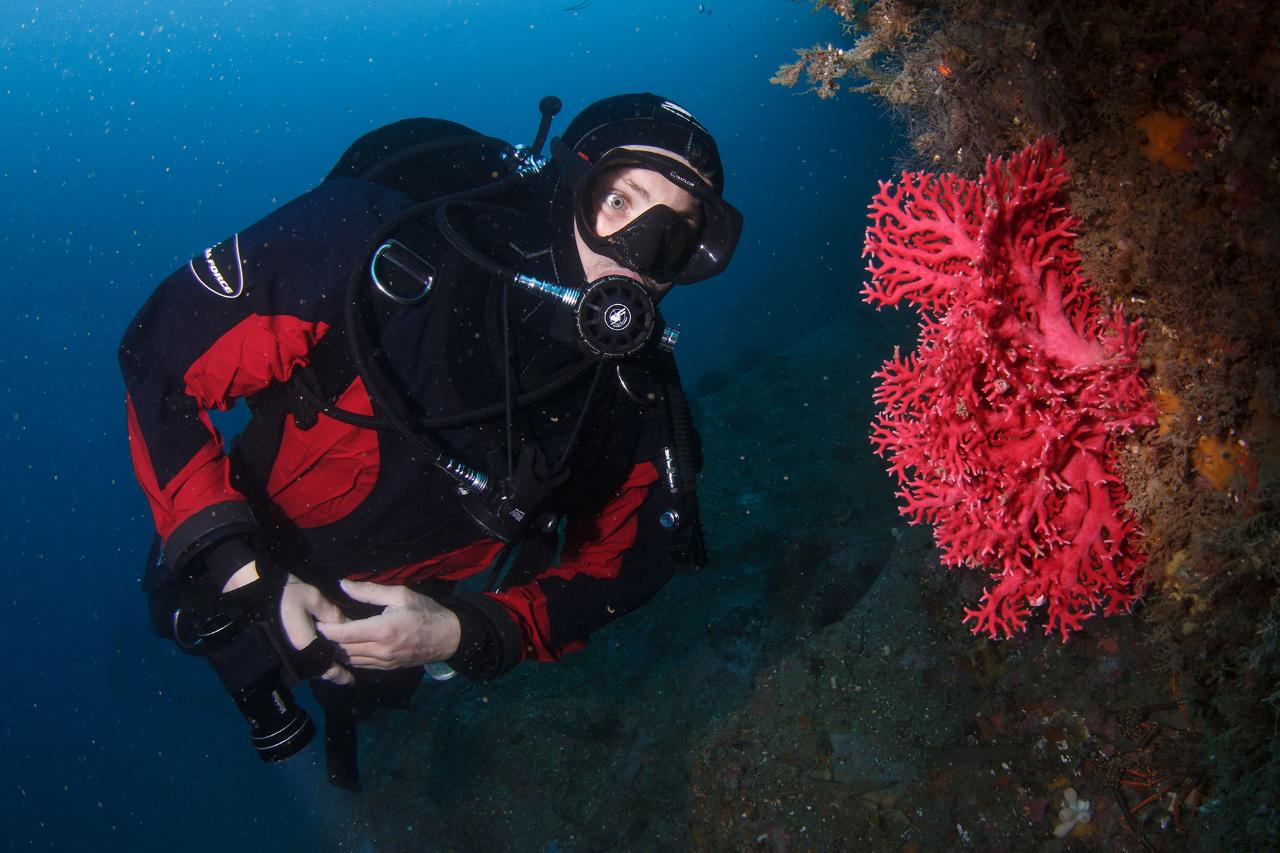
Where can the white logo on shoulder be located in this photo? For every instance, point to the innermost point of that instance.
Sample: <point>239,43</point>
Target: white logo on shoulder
<point>214,281</point>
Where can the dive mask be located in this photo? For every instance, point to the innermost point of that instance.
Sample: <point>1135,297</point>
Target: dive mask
<point>661,243</point>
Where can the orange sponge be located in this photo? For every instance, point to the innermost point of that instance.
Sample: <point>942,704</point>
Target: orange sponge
<point>1165,133</point>
<point>1218,460</point>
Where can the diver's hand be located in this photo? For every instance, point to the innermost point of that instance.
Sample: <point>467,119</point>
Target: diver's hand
<point>301,607</point>
<point>412,629</point>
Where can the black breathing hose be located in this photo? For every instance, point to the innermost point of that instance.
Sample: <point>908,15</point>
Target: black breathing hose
<point>361,343</point>
<point>464,246</point>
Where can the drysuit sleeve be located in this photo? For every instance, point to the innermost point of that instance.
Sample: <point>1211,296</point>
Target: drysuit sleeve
<point>235,319</point>
<point>611,564</point>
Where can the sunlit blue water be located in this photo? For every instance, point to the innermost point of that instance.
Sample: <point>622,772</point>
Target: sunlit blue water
<point>136,133</point>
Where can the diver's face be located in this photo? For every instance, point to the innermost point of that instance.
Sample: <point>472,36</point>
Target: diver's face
<point>624,193</point>
<point>619,197</point>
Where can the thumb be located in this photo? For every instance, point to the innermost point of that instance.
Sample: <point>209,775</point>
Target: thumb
<point>373,593</point>
<point>324,610</point>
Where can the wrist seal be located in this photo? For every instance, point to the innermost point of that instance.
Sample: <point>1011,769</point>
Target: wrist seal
<point>205,530</point>
<point>490,642</point>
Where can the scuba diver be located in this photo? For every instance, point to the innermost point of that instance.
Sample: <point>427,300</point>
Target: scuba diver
<point>468,445</point>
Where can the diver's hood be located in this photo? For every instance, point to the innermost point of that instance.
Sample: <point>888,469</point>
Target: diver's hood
<point>655,244</point>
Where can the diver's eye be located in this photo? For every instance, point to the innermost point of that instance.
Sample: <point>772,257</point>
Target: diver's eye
<point>615,202</point>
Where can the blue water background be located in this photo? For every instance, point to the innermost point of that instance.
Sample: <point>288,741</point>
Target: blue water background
<point>137,133</point>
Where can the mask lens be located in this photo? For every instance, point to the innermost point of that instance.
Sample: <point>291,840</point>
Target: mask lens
<point>654,239</point>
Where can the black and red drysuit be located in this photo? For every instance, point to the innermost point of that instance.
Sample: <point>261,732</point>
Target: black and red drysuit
<point>334,500</point>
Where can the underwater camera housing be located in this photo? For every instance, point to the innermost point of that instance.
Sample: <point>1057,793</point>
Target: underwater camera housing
<point>250,667</point>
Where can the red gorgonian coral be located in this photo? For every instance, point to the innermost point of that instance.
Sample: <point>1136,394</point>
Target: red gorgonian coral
<point>1000,426</point>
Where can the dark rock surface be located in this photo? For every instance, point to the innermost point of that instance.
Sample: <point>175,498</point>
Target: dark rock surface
<point>814,689</point>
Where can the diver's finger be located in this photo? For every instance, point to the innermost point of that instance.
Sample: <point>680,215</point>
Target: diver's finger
<point>323,609</point>
<point>362,662</point>
<point>375,593</point>
<point>298,625</point>
<point>373,629</point>
<point>369,650</point>
<point>338,675</point>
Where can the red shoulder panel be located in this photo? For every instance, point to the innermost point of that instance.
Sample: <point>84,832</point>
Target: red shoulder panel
<point>321,474</point>
<point>250,356</point>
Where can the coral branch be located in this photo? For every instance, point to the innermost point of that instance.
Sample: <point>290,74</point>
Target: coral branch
<point>999,426</point>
